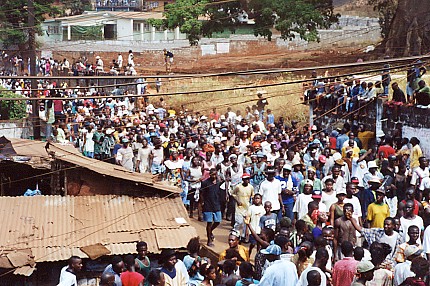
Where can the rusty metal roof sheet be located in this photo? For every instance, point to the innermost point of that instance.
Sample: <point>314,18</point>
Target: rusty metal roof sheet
<point>55,227</point>
<point>39,154</point>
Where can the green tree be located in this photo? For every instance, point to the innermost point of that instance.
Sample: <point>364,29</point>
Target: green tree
<point>14,20</point>
<point>77,7</point>
<point>199,18</point>
<point>12,109</point>
<point>386,10</point>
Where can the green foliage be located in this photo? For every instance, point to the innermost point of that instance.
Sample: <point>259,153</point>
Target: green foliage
<point>386,10</point>
<point>157,23</point>
<point>199,18</point>
<point>77,7</point>
<point>12,109</point>
<point>14,20</point>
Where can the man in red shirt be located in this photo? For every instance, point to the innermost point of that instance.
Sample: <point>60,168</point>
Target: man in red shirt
<point>387,148</point>
<point>344,270</point>
<point>130,277</point>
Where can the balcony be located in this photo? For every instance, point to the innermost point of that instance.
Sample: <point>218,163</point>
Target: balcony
<point>117,5</point>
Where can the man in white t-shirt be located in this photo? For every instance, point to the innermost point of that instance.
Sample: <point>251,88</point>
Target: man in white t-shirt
<point>408,219</point>
<point>68,273</point>
<point>270,189</point>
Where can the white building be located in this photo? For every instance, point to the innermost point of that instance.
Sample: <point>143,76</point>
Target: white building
<point>107,25</point>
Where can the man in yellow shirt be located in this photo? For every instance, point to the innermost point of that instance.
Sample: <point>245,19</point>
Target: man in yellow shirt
<point>416,153</point>
<point>242,194</point>
<point>365,136</point>
<point>236,252</point>
<point>378,211</point>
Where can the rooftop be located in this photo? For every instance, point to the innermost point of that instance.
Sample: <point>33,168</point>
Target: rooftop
<point>53,228</point>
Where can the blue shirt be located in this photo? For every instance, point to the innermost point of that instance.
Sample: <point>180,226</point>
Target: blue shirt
<point>286,199</point>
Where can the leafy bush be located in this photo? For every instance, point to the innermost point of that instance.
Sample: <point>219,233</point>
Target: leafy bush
<point>11,109</point>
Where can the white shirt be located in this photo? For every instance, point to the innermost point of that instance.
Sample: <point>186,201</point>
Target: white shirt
<point>402,271</point>
<point>406,223</point>
<point>426,240</point>
<point>281,272</point>
<point>301,205</point>
<point>359,169</point>
<point>356,204</point>
<point>67,278</point>
<point>303,281</point>
<point>270,192</point>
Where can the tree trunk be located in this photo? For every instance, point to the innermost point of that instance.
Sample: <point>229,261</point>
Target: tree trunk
<point>410,30</point>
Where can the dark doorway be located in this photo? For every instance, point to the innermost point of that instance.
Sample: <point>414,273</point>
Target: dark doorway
<point>110,32</point>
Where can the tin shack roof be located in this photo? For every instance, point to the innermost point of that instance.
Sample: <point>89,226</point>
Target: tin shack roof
<point>38,154</point>
<point>52,228</point>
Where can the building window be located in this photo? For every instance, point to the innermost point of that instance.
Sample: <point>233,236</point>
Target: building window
<point>53,30</point>
<point>149,5</point>
<point>136,27</point>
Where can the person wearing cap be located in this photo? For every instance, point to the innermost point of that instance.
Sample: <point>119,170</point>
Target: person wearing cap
<point>316,183</point>
<point>365,271</point>
<point>124,156</point>
<point>271,190</point>
<point>280,272</point>
<point>242,195</point>
<point>287,192</point>
<point>351,147</point>
<point>378,211</point>
<point>300,208</point>
<point>372,173</point>
<point>403,270</point>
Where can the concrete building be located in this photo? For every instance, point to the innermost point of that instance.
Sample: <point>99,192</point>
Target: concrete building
<point>107,25</point>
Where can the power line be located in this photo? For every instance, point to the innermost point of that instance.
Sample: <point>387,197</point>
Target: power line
<point>209,91</point>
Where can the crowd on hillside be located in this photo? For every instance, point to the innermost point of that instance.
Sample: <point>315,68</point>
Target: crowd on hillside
<point>317,205</point>
<point>349,206</point>
<point>16,65</point>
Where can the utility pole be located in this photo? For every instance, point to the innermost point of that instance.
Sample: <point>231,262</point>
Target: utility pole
<point>32,52</point>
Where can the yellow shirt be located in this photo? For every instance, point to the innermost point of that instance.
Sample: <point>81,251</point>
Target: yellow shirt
<point>243,196</point>
<point>415,155</point>
<point>242,250</point>
<point>365,137</point>
<point>376,214</point>
<point>355,152</point>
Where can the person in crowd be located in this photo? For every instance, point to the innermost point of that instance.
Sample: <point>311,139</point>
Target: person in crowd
<point>365,270</point>
<point>403,269</point>
<point>236,252</point>
<point>115,268</point>
<point>173,273</point>
<point>142,262</point>
<point>68,273</point>
<point>130,277</point>
<point>209,195</point>
<point>345,269</point>
<point>280,272</point>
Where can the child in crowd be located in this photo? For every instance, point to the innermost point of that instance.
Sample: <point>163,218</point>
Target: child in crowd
<point>255,212</point>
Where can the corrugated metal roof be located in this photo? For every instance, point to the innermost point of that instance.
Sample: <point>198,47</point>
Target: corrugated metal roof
<point>69,154</point>
<point>55,227</point>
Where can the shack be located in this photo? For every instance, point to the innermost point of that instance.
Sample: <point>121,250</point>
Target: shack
<point>38,234</point>
<point>57,169</point>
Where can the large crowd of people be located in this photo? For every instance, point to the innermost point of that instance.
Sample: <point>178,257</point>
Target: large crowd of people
<point>317,205</point>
